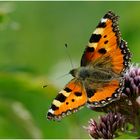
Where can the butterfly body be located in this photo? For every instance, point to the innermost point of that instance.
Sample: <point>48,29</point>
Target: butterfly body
<point>99,79</point>
<point>93,74</point>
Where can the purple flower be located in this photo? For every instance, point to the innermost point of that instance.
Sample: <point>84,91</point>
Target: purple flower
<point>132,83</point>
<point>132,91</point>
<point>107,126</point>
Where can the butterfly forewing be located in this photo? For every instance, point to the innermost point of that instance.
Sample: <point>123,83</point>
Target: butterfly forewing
<point>68,100</point>
<point>105,44</point>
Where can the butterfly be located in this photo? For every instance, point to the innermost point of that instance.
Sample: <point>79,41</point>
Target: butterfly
<point>100,78</point>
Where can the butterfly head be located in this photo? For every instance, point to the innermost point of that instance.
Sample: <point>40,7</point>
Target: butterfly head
<point>80,73</point>
<point>73,72</point>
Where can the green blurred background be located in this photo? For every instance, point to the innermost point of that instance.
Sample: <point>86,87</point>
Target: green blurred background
<point>32,54</point>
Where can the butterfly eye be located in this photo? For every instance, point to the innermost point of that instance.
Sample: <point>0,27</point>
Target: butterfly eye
<point>73,72</point>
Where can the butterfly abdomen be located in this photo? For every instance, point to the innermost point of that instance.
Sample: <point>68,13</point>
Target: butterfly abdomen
<point>103,76</point>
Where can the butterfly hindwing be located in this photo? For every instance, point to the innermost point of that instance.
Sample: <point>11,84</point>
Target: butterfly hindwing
<point>68,100</point>
<point>109,92</point>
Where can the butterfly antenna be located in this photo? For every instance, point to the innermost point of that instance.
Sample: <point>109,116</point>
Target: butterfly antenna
<point>66,46</point>
<point>62,76</point>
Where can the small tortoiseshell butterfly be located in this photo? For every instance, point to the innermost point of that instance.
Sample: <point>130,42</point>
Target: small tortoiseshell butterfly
<point>99,79</point>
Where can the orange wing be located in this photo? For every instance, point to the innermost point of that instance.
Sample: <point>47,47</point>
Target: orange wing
<point>109,92</point>
<point>68,100</point>
<point>106,43</point>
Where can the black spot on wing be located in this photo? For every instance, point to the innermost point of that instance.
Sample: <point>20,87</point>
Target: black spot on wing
<point>95,38</point>
<point>90,49</point>
<point>72,100</point>
<point>60,97</point>
<point>90,92</point>
<point>106,42</point>
<point>101,25</point>
<point>53,107</point>
<point>67,89</point>
<point>78,93</point>
<point>102,51</point>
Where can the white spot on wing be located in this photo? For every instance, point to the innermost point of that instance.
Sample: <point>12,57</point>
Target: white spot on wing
<point>51,111</point>
<point>103,20</point>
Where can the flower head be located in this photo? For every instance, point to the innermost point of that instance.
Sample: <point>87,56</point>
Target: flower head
<point>132,83</point>
<point>107,126</point>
